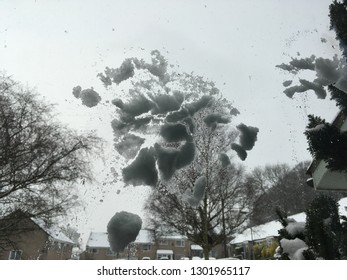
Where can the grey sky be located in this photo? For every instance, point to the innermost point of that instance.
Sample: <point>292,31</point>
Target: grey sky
<point>56,45</point>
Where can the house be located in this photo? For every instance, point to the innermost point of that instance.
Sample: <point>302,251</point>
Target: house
<point>98,247</point>
<point>245,243</point>
<point>172,247</point>
<point>321,177</point>
<point>34,240</point>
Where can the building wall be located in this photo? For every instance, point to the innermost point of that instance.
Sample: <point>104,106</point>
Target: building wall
<point>258,249</point>
<point>97,254</point>
<point>140,250</point>
<point>35,245</point>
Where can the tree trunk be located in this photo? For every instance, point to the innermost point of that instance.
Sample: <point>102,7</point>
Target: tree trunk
<point>206,247</point>
<point>206,252</point>
<point>225,249</point>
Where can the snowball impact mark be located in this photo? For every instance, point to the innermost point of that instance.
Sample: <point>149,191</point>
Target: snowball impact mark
<point>142,171</point>
<point>89,97</point>
<point>159,101</point>
<point>178,115</point>
<point>126,123</point>
<point>287,83</point>
<point>194,107</point>
<point>186,155</point>
<point>174,132</point>
<point>303,63</point>
<point>129,145</point>
<point>118,75</point>
<point>234,112</point>
<point>158,68</point>
<point>76,91</point>
<point>169,159</point>
<point>137,106</point>
<point>213,119</point>
<point>317,88</point>
<point>123,229</point>
<point>248,136</point>
<point>190,125</point>
<point>328,71</point>
<point>225,160</point>
<point>198,192</point>
<point>241,152</point>
<point>165,103</point>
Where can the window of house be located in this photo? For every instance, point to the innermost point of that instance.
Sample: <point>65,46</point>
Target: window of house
<point>146,247</point>
<point>163,242</point>
<point>179,243</point>
<point>15,255</point>
<point>93,250</point>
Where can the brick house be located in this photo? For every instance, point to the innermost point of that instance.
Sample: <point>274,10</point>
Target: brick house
<point>174,247</point>
<point>244,244</point>
<point>36,242</point>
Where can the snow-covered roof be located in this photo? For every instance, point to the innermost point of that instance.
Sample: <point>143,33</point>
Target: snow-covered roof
<point>195,247</point>
<point>53,231</point>
<point>265,230</point>
<point>100,239</point>
<point>271,228</point>
<point>144,236</point>
<point>173,237</point>
<point>166,252</point>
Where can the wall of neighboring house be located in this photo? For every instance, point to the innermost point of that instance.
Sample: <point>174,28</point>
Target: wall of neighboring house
<point>181,249</point>
<point>58,251</point>
<point>34,244</point>
<point>146,250</point>
<point>258,249</point>
<point>97,253</point>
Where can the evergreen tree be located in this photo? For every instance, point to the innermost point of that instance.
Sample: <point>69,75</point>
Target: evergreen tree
<point>340,97</point>
<point>323,228</point>
<point>327,142</point>
<point>338,22</point>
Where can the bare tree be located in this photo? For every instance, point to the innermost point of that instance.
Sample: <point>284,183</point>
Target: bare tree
<point>223,206</point>
<point>280,186</point>
<point>40,159</point>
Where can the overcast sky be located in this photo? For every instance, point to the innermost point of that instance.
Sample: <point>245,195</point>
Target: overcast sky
<point>56,45</point>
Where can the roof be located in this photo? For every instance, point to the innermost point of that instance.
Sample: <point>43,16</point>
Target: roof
<point>270,229</point>
<point>173,237</point>
<point>100,239</point>
<point>265,230</point>
<point>167,252</point>
<point>53,231</point>
<point>144,236</point>
<point>195,247</point>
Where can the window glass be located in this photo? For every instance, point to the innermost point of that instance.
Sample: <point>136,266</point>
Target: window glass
<point>15,255</point>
